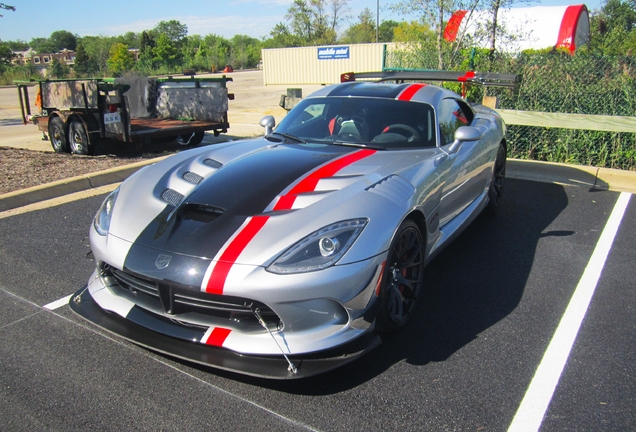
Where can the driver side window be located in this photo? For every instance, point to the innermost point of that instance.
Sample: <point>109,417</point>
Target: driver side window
<point>452,115</point>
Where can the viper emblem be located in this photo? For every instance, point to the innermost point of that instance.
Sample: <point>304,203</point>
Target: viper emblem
<point>162,261</point>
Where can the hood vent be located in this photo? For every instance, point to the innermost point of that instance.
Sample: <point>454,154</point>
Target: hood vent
<point>171,196</point>
<point>193,178</point>
<point>212,163</point>
<point>200,212</point>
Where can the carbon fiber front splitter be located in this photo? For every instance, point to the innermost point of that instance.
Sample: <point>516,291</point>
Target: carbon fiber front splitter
<point>272,367</point>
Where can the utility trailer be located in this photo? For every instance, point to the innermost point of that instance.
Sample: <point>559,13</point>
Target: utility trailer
<point>77,114</point>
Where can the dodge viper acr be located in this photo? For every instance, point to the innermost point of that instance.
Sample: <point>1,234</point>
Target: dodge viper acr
<point>285,256</point>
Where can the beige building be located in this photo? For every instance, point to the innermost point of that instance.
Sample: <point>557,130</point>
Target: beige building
<point>41,61</point>
<point>321,64</point>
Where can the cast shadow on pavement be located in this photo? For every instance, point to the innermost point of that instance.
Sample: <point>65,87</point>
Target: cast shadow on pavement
<point>473,284</point>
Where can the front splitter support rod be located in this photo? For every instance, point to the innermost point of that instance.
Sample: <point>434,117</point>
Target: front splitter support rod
<point>293,369</point>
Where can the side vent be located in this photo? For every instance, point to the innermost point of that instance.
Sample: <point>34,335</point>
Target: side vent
<point>192,178</point>
<point>171,196</point>
<point>394,188</point>
<point>212,163</point>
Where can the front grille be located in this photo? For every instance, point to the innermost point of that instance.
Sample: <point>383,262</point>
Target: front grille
<point>176,299</point>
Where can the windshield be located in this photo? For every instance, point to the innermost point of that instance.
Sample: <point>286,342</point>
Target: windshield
<point>374,122</point>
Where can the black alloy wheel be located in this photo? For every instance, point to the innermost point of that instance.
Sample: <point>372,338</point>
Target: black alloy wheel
<point>495,193</point>
<point>402,279</point>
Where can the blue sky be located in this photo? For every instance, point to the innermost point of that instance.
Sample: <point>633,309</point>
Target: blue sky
<point>39,18</point>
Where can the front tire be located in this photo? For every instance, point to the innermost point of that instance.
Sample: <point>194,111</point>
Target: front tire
<point>402,279</point>
<point>57,135</point>
<point>78,138</point>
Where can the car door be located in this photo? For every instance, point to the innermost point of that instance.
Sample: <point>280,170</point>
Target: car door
<point>463,182</point>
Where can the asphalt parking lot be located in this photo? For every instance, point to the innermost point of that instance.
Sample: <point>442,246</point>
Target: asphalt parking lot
<point>495,300</point>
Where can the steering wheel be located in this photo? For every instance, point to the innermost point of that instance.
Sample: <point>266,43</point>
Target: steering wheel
<point>413,135</point>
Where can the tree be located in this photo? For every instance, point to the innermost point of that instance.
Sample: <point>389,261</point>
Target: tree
<point>57,69</point>
<point>147,43</point>
<point>614,28</point>
<point>98,50</point>
<point>245,51</point>
<point>414,32</point>
<point>83,64</point>
<point>166,52</point>
<point>18,45</point>
<point>299,14</point>
<point>281,37</point>
<point>146,57</point>
<point>6,54</point>
<point>7,7</point>
<point>363,31</point>
<point>41,45</point>
<point>316,22</point>
<point>173,30</point>
<point>120,60</point>
<point>218,51</point>
<point>130,39</point>
<point>435,13</point>
<point>62,39</point>
<point>339,13</point>
<point>387,29</point>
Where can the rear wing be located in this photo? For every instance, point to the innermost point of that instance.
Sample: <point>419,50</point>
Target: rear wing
<point>482,78</point>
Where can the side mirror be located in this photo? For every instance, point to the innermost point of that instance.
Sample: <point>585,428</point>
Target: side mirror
<point>464,133</point>
<point>268,122</point>
<point>467,133</point>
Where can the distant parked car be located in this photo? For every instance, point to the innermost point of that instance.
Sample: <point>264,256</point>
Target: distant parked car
<point>284,256</point>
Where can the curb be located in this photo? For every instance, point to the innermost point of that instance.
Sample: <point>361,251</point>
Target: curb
<point>545,172</point>
<point>574,175</point>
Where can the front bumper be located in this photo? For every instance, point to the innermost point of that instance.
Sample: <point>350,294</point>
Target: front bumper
<point>270,366</point>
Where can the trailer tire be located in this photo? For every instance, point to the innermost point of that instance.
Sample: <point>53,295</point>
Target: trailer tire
<point>191,140</point>
<point>57,135</point>
<point>78,138</point>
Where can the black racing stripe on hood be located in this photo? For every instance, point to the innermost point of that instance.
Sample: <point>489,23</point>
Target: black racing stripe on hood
<point>241,188</point>
<point>369,89</point>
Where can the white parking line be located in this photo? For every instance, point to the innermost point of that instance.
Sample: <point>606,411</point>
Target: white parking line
<point>58,303</point>
<point>539,394</point>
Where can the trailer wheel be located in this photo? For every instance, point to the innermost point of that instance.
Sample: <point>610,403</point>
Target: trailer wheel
<point>193,139</point>
<point>57,135</point>
<point>78,138</point>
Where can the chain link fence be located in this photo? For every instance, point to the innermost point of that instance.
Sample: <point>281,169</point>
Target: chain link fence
<point>549,82</point>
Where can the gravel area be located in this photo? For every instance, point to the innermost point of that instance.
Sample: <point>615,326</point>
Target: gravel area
<point>20,168</point>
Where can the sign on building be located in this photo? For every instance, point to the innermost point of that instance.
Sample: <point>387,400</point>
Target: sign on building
<point>333,53</point>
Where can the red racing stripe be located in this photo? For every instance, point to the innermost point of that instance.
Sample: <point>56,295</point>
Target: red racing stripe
<point>216,283</point>
<point>218,336</point>
<point>407,94</point>
<point>309,183</point>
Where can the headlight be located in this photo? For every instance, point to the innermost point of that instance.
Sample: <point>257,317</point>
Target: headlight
<point>105,212</point>
<point>320,249</point>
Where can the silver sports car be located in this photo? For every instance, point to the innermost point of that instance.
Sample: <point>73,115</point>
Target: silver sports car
<point>285,256</point>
